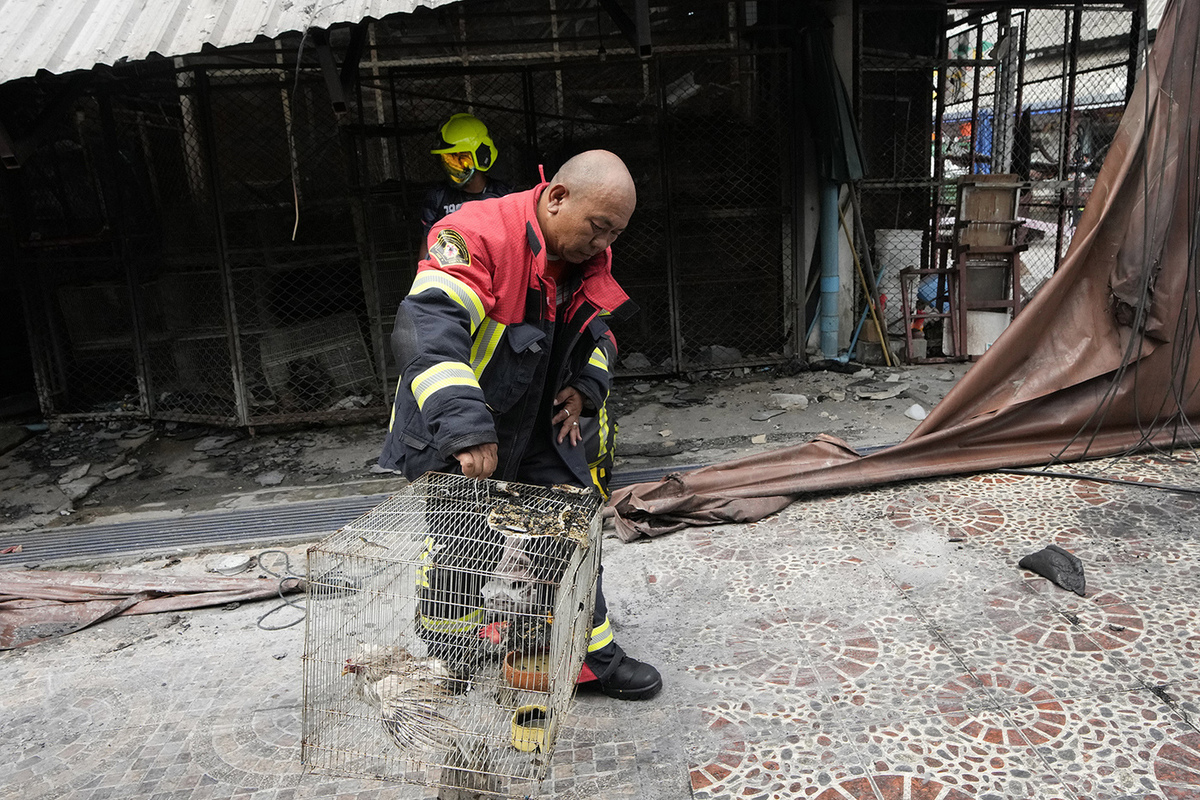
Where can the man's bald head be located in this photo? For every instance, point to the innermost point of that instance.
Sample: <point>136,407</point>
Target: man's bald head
<point>596,170</point>
<point>587,205</point>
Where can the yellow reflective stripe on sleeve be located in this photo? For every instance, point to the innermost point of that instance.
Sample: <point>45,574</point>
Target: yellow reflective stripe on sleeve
<point>484,346</point>
<point>599,359</point>
<point>452,287</point>
<point>441,376</point>
<point>464,624</point>
<point>601,636</point>
<point>598,472</point>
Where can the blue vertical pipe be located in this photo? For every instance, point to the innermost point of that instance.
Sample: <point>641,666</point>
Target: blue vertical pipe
<point>829,267</point>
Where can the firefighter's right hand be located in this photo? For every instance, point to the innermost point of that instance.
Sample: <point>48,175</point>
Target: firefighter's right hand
<point>478,461</point>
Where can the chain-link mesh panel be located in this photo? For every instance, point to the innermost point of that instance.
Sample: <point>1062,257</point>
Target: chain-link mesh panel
<point>730,174</point>
<point>240,248</point>
<point>897,74</point>
<point>184,335</point>
<point>1075,81</point>
<point>614,106</point>
<point>78,292</point>
<point>304,336</point>
<point>1033,92</point>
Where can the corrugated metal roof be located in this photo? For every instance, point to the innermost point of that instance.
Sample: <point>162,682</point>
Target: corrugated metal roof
<point>61,36</point>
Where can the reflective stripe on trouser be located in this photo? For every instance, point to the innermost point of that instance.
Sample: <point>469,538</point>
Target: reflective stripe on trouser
<point>602,636</point>
<point>460,552</point>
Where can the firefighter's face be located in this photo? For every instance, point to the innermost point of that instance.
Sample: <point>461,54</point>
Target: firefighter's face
<point>579,225</point>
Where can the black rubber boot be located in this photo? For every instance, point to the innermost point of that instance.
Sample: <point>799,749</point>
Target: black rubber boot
<point>619,676</point>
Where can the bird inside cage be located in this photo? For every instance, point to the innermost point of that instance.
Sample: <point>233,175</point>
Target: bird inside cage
<point>414,698</point>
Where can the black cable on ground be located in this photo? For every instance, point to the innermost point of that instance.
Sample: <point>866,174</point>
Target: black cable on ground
<point>1098,479</point>
<point>288,575</point>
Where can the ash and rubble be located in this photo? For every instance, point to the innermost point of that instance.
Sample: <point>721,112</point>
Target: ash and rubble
<point>82,471</point>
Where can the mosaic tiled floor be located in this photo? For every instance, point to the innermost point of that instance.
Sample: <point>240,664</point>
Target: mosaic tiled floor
<point>877,644</point>
<point>890,647</point>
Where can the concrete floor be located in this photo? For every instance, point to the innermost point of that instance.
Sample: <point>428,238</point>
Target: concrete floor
<point>880,644</point>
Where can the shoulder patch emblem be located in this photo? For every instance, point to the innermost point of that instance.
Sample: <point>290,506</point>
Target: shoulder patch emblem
<point>449,249</point>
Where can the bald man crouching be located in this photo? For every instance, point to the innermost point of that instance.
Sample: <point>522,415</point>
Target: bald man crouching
<point>505,360</point>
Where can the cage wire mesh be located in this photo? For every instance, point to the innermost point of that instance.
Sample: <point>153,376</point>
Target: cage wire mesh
<point>445,632</point>
<point>1035,92</point>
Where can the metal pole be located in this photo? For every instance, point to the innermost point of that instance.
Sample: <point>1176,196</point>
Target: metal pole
<point>829,268</point>
<point>664,160</point>
<point>529,100</point>
<point>123,252</point>
<point>939,156</point>
<point>233,340</point>
<point>975,99</point>
<point>799,339</point>
<point>1136,24</point>
<point>1068,123</point>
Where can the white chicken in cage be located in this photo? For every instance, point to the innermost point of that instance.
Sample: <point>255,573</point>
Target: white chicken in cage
<point>410,694</point>
<point>404,689</point>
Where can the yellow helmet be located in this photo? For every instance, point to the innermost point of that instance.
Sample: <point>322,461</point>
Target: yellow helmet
<point>465,148</point>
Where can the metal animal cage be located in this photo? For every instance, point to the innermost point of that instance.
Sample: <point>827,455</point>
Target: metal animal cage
<point>445,632</point>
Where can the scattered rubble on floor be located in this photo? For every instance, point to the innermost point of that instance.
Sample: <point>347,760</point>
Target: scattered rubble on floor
<point>130,465</point>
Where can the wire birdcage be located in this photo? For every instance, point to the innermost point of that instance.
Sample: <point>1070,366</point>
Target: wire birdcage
<point>445,632</point>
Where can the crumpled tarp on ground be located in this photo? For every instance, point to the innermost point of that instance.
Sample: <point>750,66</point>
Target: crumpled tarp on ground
<point>1102,361</point>
<point>40,605</point>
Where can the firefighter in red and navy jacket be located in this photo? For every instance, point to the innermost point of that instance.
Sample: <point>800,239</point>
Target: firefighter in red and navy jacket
<point>506,359</point>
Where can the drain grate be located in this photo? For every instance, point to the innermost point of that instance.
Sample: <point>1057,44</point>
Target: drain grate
<point>163,535</point>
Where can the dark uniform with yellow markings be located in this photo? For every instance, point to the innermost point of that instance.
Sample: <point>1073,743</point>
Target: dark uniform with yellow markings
<point>485,340</point>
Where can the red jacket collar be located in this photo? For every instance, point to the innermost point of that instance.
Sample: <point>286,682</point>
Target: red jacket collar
<point>599,286</point>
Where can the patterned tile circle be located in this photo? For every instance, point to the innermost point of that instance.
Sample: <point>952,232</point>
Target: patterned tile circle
<point>900,787</point>
<point>1035,714</point>
<point>1177,767</point>
<point>1110,624</point>
<point>772,649</point>
<point>954,514</point>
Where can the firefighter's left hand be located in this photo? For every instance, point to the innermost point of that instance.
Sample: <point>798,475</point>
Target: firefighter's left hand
<point>568,416</point>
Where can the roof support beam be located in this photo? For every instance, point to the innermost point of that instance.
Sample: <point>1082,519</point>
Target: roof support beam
<point>8,151</point>
<point>637,29</point>
<point>329,70</point>
<point>354,51</point>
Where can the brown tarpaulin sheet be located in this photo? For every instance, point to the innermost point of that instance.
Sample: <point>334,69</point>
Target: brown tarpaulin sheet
<point>1102,361</point>
<point>35,606</point>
